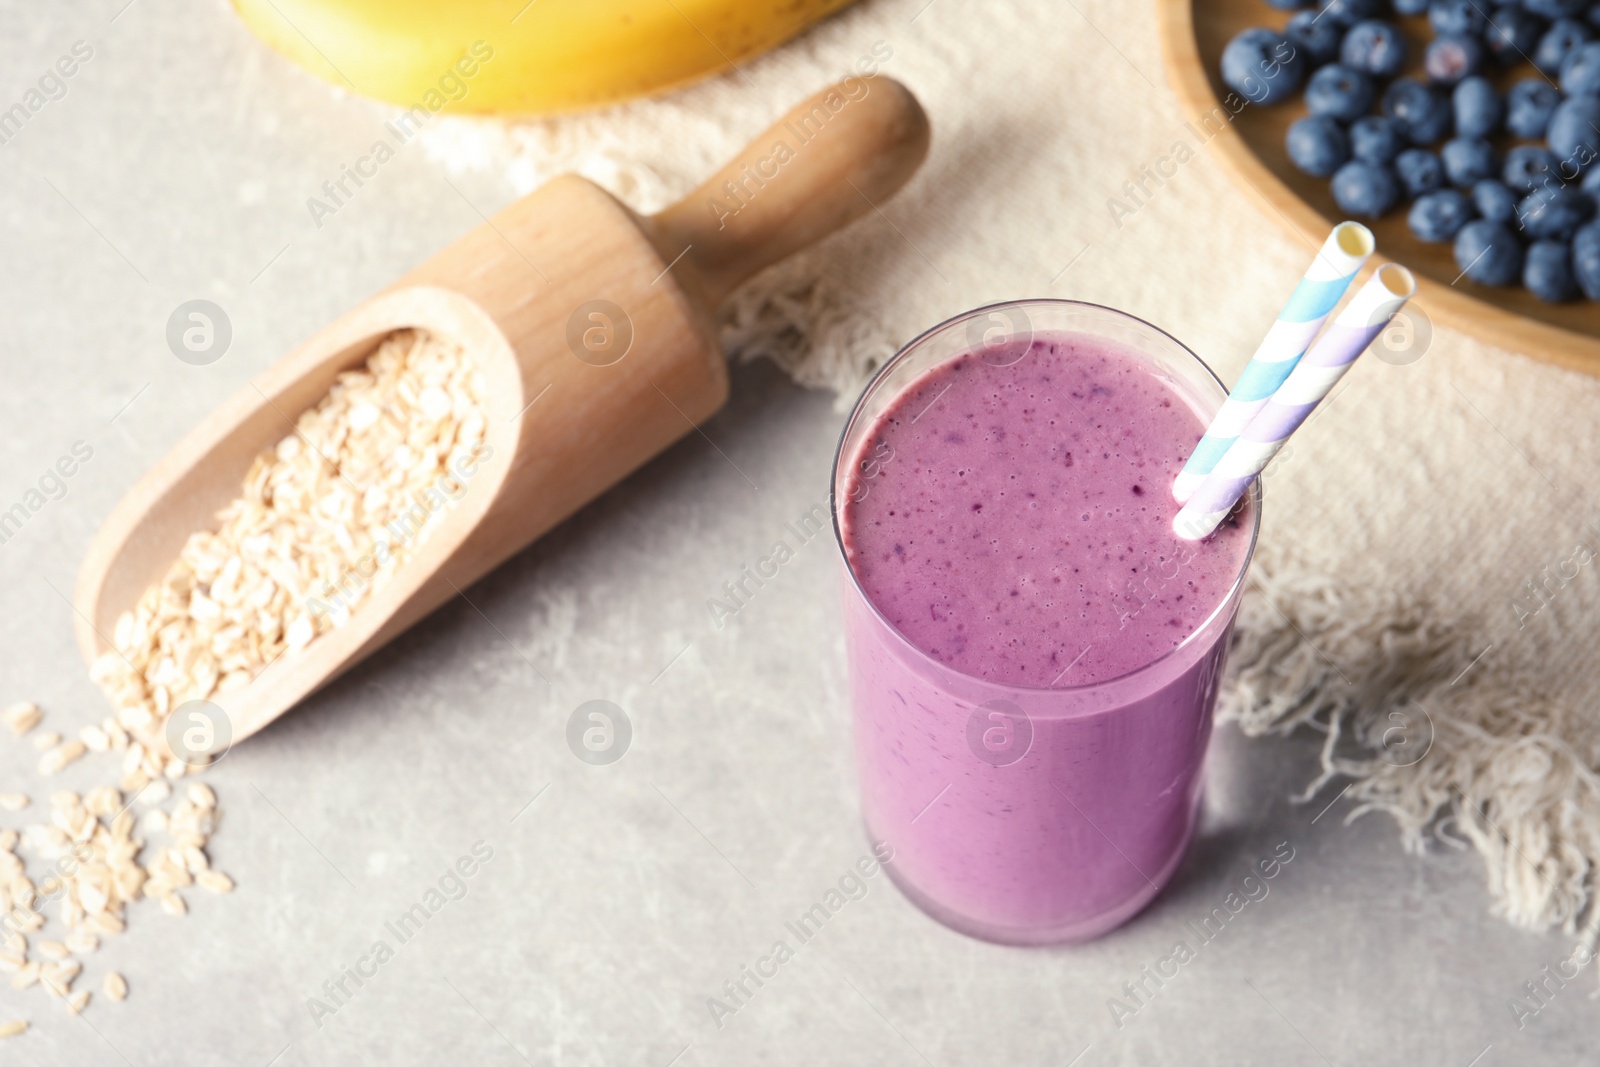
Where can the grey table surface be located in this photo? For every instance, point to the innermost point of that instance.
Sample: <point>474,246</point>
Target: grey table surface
<point>618,899</point>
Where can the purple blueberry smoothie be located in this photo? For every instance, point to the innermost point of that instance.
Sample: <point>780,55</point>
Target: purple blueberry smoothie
<point>1034,653</point>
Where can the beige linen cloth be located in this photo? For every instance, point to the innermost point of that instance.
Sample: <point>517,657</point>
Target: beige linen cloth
<point>1425,580</point>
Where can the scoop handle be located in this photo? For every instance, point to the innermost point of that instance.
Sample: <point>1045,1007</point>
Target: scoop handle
<point>833,158</point>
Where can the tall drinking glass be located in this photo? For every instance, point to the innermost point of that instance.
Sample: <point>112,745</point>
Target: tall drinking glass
<point>1037,811</point>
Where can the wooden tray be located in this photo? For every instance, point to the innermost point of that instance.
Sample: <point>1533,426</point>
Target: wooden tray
<point>1193,34</point>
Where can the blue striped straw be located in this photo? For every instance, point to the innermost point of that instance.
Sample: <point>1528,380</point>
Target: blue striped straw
<point>1330,274</point>
<point>1368,312</point>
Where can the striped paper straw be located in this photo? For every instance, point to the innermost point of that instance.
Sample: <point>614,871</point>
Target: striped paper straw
<point>1342,256</point>
<point>1368,312</point>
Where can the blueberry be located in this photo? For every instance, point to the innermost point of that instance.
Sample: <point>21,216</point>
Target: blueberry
<point>1262,67</point>
<point>1339,92</point>
<point>1376,139</point>
<point>1365,189</point>
<point>1424,113</point>
<point>1289,5</point>
<point>1561,40</point>
<point>1494,200</point>
<point>1580,74</point>
<point>1449,59</point>
<point>1317,145</point>
<point>1457,16</point>
<point>1373,47</point>
<point>1347,13</point>
<point>1410,8</point>
<point>1547,271</point>
<point>1591,183</point>
<point>1528,166</point>
<point>1555,9</point>
<point>1318,38</point>
<point>1439,216</point>
<point>1419,171</point>
<point>1468,160</point>
<point>1586,259</point>
<point>1488,253</point>
<point>1554,213</point>
<point>1512,34</point>
<point>1574,133</point>
<point>1529,105</point>
<point>1592,15</point>
<point>1478,107</point>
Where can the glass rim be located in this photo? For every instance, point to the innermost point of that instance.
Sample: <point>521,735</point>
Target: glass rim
<point>1253,492</point>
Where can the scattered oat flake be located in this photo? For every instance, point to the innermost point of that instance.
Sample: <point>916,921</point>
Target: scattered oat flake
<point>27,976</point>
<point>78,1001</point>
<point>56,760</point>
<point>63,974</point>
<point>213,881</point>
<point>44,741</point>
<point>103,800</point>
<point>53,950</point>
<point>21,717</point>
<point>13,1027</point>
<point>13,801</point>
<point>106,923</point>
<point>115,986</point>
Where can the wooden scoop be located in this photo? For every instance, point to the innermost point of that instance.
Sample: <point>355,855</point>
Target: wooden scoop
<point>594,328</point>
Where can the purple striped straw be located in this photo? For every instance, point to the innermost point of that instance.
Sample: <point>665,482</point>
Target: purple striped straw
<point>1343,255</point>
<point>1368,312</point>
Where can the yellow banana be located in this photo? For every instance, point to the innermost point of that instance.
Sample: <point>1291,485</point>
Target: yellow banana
<point>522,56</point>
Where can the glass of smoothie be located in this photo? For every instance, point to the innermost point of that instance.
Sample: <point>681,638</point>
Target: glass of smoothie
<point>1034,654</point>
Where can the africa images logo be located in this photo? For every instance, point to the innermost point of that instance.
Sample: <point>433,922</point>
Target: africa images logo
<point>452,87</point>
